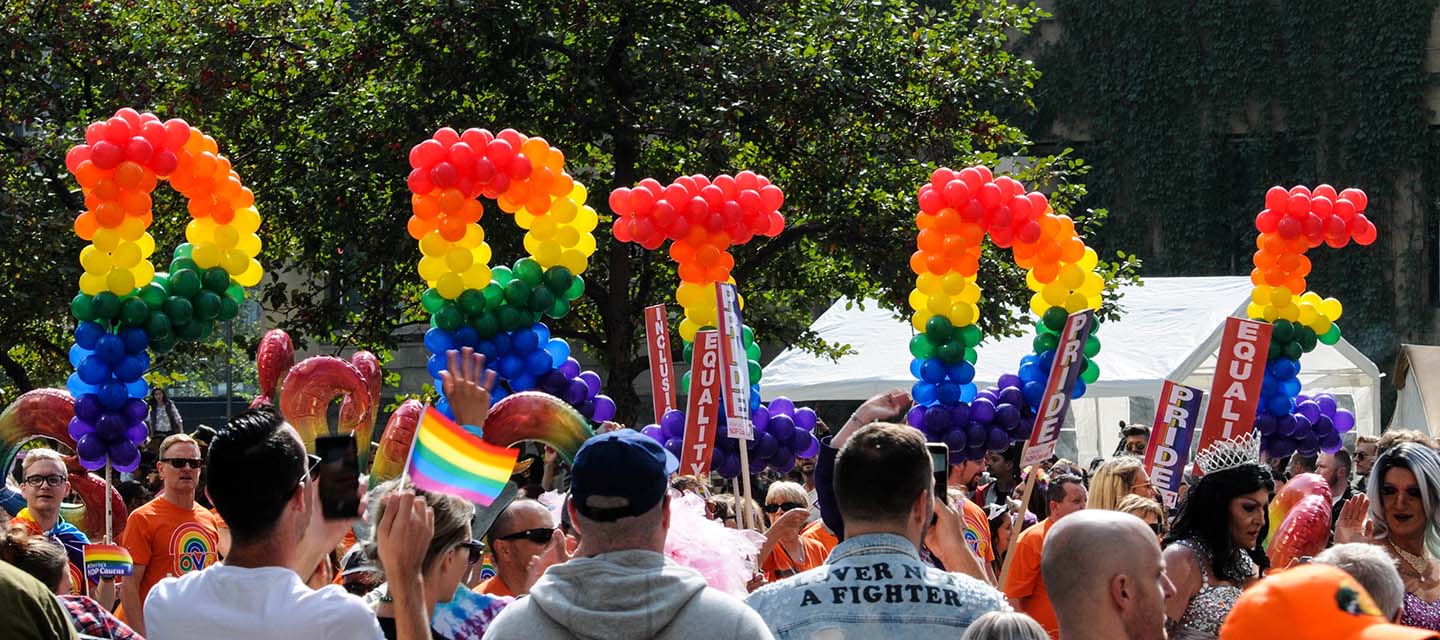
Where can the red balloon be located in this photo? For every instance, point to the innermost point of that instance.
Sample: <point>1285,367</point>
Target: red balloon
<point>164,162</point>
<point>1022,208</point>
<point>426,154</point>
<point>462,156</point>
<point>680,228</point>
<point>1300,189</point>
<point>484,170</point>
<point>731,212</point>
<point>973,212</point>
<point>1289,227</point>
<point>444,175</point>
<point>1299,205</point>
<point>94,133</point>
<point>727,186</point>
<point>117,130</point>
<point>1038,202</point>
<point>520,167</point>
<point>1344,208</point>
<point>941,177</point>
<point>771,198</point>
<point>177,131</point>
<point>1365,233</point>
<point>748,199</point>
<point>154,131</point>
<point>1267,221</point>
<point>1335,227</point>
<point>641,201</point>
<point>713,196</point>
<point>620,201</point>
<point>419,181</point>
<point>930,200</point>
<point>747,180</point>
<point>106,154</point>
<point>714,222</point>
<point>678,197</point>
<point>972,178</point>
<point>477,139</point>
<point>1313,224</point>
<point>777,224</point>
<point>1277,198</point>
<point>956,193</point>
<point>447,136</point>
<point>1356,196</point>
<point>664,215</point>
<point>985,174</point>
<point>1322,206</point>
<point>1325,191</point>
<point>990,195</point>
<point>1029,232</point>
<point>499,152</point>
<point>621,231</point>
<point>76,155</point>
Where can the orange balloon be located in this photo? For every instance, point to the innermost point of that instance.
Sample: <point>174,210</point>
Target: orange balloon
<point>682,251</point>
<point>205,164</point>
<point>86,226</point>
<point>87,174</point>
<point>925,221</point>
<point>419,227</point>
<point>1295,283</point>
<point>134,202</point>
<point>472,211</point>
<point>538,203</point>
<point>1264,259</point>
<point>223,215</point>
<point>105,189</point>
<point>452,229</point>
<point>691,272</point>
<point>936,263</point>
<point>1257,277</point>
<point>562,186</point>
<point>127,175</point>
<point>919,263</point>
<point>930,240</point>
<point>948,220</point>
<point>450,201</point>
<point>1046,271</point>
<point>519,191</point>
<point>1048,251</point>
<point>972,233</point>
<point>1072,250</point>
<point>109,215</point>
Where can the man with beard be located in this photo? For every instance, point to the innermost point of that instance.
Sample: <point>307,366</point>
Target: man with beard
<point>1106,576</point>
<point>1335,468</point>
<point>977,525</point>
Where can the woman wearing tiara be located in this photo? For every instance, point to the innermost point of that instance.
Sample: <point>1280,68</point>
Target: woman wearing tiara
<point>1214,549</point>
<point>1403,501</point>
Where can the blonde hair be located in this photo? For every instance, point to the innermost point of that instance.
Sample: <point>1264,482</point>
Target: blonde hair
<point>178,438</point>
<point>786,491</point>
<point>1396,436</point>
<point>1112,482</point>
<point>1005,625</point>
<point>35,455</point>
<point>452,521</point>
<point>1140,507</point>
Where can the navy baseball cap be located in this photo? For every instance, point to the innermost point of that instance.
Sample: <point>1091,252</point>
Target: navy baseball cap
<point>620,474</point>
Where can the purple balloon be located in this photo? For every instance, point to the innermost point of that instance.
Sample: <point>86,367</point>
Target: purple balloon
<point>982,410</point>
<point>604,408</point>
<point>592,382</point>
<point>1303,427</point>
<point>976,434</point>
<point>1344,421</point>
<point>1285,426</point>
<point>781,406</point>
<point>125,455</point>
<point>937,420</point>
<point>784,466</point>
<point>782,453</point>
<point>799,439</point>
<point>87,407</point>
<point>760,417</point>
<point>587,409</point>
<point>1323,426</point>
<point>553,382</point>
<point>1309,445</point>
<point>811,446</point>
<point>726,442</point>
<point>1280,447</point>
<point>136,433</point>
<point>1331,442</point>
<point>1008,380</point>
<point>1327,404</point>
<point>765,445</point>
<point>136,410</point>
<point>757,465</point>
<point>805,418</point>
<point>673,445</point>
<point>571,368</point>
<point>111,426</point>
<point>654,432</point>
<point>1007,416</point>
<point>79,428</point>
<point>782,427</point>
<point>92,451</point>
<point>1011,395</point>
<point>955,439</point>
<point>915,417</point>
<point>729,467</point>
<point>577,392</point>
<point>960,414</point>
<point>673,421</point>
<point>1309,409</point>
<point>997,439</point>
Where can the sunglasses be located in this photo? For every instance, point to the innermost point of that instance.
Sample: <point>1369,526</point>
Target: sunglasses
<point>785,506</point>
<point>537,536</point>
<point>181,463</point>
<point>52,480</point>
<point>475,548</point>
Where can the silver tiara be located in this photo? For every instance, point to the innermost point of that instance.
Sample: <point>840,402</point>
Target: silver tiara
<point>1228,454</point>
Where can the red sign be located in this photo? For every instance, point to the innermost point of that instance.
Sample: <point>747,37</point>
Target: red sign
<point>703,411</point>
<point>1056,401</point>
<point>1239,373</point>
<point>662,373</point>
<point>1169,449</point>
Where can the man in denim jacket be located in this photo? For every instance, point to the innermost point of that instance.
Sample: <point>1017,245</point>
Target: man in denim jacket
<point>874,583</point>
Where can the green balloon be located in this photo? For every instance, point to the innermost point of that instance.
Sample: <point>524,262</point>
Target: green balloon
<point>541,300</point>
<point>559,308</point>
<point>162,344</point>
<point>938,328</point>
<point>1307,338</point>
<point>154,295</point>
<point>1054,318</point>
<point>228,309</point>
<point>431,300</point>
<point>192,331</point>
<point>181,264</point>
<point>689,351</point>
<point>1332,336</point>
<point>448,317</point>
<point>528,270</point>
<point>1091,373</point>
<point>1283,331</point>
<point>685,383</point>
<point>216,279</point>
<point>185,283</point>
<point>577,289</point>
<point>747,335</point>
<point>180,311</point>
<point>558,280</point>
<point>970,334</point>
<point>471,302</point>
<point>494,295</point>
<point>921,346</point>
<point>950,352</point>
<point>207,306</point>
<point>1044,342</point>
<point>134,312</point>
<point>183,250</point>
<point>517,293</point>
<point>512,318</point>
<point>235,292</point>
<point>971,355</point>
<point>1092,347</point>
<point>82,307</point>
<point>157,326</point>
<point>106,305</point>
<point>1041,328</point>
<point>752,351</point>
<point>754,371</point>
<point>1293,350</point>
<point>502,275</point>
<point>486,325</point>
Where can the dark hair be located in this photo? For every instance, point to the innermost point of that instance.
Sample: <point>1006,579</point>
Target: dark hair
<point>255,467</point>
<point>1135,430</point>
<point>35,555</point>
<point>1056,491</point>
<point>1307,462</point>
<point>133,493</point>
<point>1342,458</point>
<point>880,471</point>
<point>1205,516</point>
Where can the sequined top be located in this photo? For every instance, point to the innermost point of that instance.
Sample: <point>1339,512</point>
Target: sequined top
<point>1419,613</point>
<point>1209,606</point>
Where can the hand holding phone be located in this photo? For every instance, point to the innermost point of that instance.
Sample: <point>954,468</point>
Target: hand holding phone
<point>940,466</point>
<point>338,475</point>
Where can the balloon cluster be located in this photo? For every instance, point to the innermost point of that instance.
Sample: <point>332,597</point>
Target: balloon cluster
<point>498,311</point>
<point>958,210</point>
<point>125,307</point>
<point>703,218</point>
<point>1293,222</point>
<point>783,434</point>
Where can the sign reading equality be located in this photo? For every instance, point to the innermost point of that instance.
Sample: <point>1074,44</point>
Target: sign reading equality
<point>703,409</point>
<point>1239,374</point>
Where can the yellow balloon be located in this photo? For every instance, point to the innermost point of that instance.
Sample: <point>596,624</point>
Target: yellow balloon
<point>481,254</point>
<point>249,245</point>
<point>476,277</point>
<point>544,228</point>
<point>1260,294</point>
<point>120,282</point>
<point>1032,283</point>
<point>1094,285</point>
<point>1089,259</point>
<point>474,235</point>
<point>524,219</point>
<point>1308,314</point>
<point>94,260</point>
<point>574,261</point>
<point>578,194</point>
<point>246,220</point>
<point>1280,296</point>
<point>961,315</point>
<point>459,259</point>
<point>143,272</point>
<point>531,244</point>
<point>548,254</point>
<point>1054,293</point>
<point>105,239</point>
<point>431,269</point>
<point>1270,313</point>
<point>236,262</point>
<point>1076,302</point>
<point>586,219</point>
<point>585,245</point>
<point>919,301</point>
<point>1332,309</point>
<point>918,320</point>
<point>1038,306</point>
<point>954,283</point>
<point>1072,276</point>
<point>1289,312</point>
<point>1094,302</point>
<point>1255,311</point>
<point>970,294</point>
<point>1321,324</point>
<point>130,228</point>
<point>450,286</point>
<point>433,245</point>
<point>125,255</point>
<point>226,237</point>
<point>564,210</point>
<point>930,283</point>
<point>200,230</point>
<point>252,274</point>
<point>938,305</point>
<point>91,283</point>
<point>207,255</point>
<point>688,329</point>
<point>146,242</point>
<point>1312,298</point>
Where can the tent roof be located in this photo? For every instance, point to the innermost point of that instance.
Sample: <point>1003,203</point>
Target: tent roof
<point>1165,324</point>
<point>1417,375</point>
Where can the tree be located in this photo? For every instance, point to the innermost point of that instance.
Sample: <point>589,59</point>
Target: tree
<point>846,108</point>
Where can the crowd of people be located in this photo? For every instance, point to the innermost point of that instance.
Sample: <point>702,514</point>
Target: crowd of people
<point>858,543</point>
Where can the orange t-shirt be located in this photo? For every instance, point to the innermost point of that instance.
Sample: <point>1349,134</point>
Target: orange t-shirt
<point>1024,583</point>
<point>977,531</point>
<point>494,586</point>
<point>816,531</point>
<point>170,541</point>
<point>778,565</point>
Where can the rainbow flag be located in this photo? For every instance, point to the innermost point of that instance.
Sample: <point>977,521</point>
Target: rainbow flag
<point>448,459</point>
<point>107,561</point>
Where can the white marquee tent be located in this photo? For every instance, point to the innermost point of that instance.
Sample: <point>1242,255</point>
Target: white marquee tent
<point>1170,329</point>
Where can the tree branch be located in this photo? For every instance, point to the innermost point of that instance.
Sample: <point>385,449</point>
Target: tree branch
<point>788,237</point>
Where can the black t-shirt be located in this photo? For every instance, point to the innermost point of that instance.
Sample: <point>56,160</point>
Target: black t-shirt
<point>387,626</point>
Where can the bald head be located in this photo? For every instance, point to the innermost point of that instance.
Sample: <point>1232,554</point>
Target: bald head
<point>519,516</point>
<point>1103,570</point>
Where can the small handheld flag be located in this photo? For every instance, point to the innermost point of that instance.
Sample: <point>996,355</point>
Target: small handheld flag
<point>107,561</point>
<point>448,459</point>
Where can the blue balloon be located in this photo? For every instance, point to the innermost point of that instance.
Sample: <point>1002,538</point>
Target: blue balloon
<point>113,395</point>
<point>78,354</point>
<point>1277,405</point>
<point>524,341</point>
<point>465,336</point>
<point>510,367</point>
<point>110,349</point>
<point>923,393</point>
<point>915,364</point>
<point>497,394</point>
<point>933,370</point>
<point>754,399</point>
<point>443,404</point>
<point>523,382</point>
<point>538,362</point>
<point>961,372</point>
<point>1034,392</point>
<point>1047,359</point>
<point>1079,389</point>
<point>87,333</point>
<point>136,389</point>
<point>967,392</point>
<point>1268,384</point>
<point>541,331</point>
<point>93,371</point>
<point>559,351</point>
<point>435,364</point>
<point>438,341</point>
<point>487,348</point>
<point>1291,387</point>
<point>948,393</point>
<point>135,339</point>
<point>503,344</point>
<point>78,387</point>
<point>131,368</point>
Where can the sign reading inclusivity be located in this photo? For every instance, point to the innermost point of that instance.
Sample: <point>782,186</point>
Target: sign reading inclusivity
<point>735,379</point>
<point>703,411</point>
<point>1169,447</point>
<point>1056,401</point>
<point>1239,374</point>
<point>662,373</point>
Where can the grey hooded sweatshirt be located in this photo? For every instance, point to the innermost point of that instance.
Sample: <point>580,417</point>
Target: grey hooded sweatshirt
<point>626,595</point>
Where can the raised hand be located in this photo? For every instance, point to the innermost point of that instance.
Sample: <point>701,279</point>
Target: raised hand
<point>883,406</point>
<point>1352,525</point>
<point>467,384</point>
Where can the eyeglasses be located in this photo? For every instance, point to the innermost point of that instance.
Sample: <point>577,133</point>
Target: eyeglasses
<point>1360,455</point>
<point>181,463</point>
<point>312,463</point>
<point>1159,528</point>
<point>538,536</point>
<point>785,506</point>
<point>475,549</point>
<point>1145,486</point>
<point>52,480</point>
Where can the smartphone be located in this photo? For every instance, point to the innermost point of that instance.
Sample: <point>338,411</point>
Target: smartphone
<point>339,477</point>
<point>940,465</point>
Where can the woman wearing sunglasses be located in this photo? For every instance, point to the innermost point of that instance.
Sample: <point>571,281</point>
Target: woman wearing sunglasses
<point>449,554</point>
<point>785,552</point>
<point>1148,510</point>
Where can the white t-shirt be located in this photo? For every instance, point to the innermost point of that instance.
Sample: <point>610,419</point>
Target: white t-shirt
<point>221,603</point>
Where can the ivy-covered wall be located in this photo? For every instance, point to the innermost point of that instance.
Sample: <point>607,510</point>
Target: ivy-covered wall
<point>1190,109</point>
